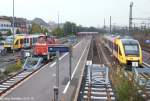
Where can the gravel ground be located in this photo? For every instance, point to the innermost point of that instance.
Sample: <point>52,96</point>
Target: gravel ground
<point>146,57</point>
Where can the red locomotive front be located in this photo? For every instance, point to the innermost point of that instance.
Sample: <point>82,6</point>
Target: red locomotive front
<point>41,46</point>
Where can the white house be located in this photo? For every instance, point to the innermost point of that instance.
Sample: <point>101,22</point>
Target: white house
<point>5,25</point>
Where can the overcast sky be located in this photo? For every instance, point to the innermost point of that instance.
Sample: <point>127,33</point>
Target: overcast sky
<point>84,12</point>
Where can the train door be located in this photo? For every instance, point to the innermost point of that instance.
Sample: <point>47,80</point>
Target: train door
<point>24,42</point>
<point>120,56</point>
<point>34,41</point>
<point>30,42</point>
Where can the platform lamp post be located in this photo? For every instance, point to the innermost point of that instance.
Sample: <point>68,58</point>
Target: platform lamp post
<point>13,28</point>
<point>56,87</point>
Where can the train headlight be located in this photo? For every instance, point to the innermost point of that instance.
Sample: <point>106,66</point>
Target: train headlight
<point>44,53</point>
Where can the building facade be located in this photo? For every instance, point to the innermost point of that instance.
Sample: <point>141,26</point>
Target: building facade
<point>20,25</point>
<point>5,25</point>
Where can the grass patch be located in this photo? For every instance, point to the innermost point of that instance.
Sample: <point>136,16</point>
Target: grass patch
<point>125,87</point>
<point>13,68</point>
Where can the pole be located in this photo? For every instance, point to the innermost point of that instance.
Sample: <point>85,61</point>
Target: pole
<point>55,93</point>
<point>70,62</point>
<point>58,19</point>
<point>72,28</point>
<point>110,24</point>
<point>92,48</point>
<point>13,28</point>
<point>104,24</point>
<point>57,69</point>
<point>56,88</point>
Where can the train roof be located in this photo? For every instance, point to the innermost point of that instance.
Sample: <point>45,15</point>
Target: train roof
<point>125,39</point>
<point>110,37</point>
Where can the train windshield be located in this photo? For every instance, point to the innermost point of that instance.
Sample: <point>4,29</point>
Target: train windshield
<point>131,49</point>
<point>9,40</point>
<point>41,40</point>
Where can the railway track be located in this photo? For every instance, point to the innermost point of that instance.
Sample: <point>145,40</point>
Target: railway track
<point>145,48</point>
<point>96,85</point>
<point>9,58</point>
<point>9,83</point>
<point>15,79</point>
<point>142,79</point>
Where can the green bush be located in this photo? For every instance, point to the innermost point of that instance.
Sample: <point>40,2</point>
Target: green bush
<point>13,68</point>
<point>125,88</point>
<point>1,75</point>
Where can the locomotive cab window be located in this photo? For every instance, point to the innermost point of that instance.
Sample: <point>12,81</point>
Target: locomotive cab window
<point>131,49</point>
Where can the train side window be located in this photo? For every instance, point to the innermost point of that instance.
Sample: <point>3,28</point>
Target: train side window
<point>25,40</point>
<point>33,40</point>
<point>116,47</point>
<point>30,40</point>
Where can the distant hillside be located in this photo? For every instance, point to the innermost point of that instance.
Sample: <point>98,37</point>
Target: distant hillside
<point>40,21</point>
<point>53,24</point>
<point>50,25</point>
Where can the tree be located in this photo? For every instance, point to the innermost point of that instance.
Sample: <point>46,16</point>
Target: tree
<point>9,32</point>
<point>45,31</point>
<point>17,31</point>
<point>69,28</point>
<point>58,32</point>
<point>35,28</point>
<point>74,28</point>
